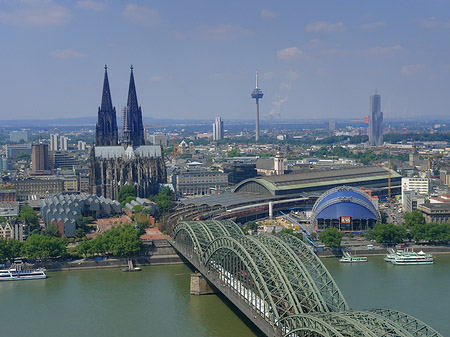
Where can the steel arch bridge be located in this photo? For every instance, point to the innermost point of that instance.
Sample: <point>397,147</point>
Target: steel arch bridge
<point>281,285</point>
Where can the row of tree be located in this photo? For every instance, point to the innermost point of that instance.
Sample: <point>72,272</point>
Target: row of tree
<point>118,241</point>
<point>37,246</point>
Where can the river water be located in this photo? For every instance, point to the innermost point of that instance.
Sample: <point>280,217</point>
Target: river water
<point>156,301</point>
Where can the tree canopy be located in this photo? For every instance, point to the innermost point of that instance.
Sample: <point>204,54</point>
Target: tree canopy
<point>386,233</point>
<point>118,241</point>
<point>331,237</point>
<point>28,214</point>
<point>127,192</point>
<point>413,218</point>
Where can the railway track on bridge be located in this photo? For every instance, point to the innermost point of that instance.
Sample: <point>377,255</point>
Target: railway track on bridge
<point>281,285</point>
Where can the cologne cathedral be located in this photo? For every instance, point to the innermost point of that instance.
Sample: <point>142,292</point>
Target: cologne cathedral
<point>126,161</point>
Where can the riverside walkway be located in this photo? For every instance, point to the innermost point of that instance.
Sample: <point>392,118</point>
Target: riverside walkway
<point>281,285</point>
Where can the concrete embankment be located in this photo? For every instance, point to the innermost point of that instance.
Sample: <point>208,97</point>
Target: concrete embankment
<point>157,252</point>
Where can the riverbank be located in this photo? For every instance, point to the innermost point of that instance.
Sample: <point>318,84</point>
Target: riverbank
<point>156,253</point>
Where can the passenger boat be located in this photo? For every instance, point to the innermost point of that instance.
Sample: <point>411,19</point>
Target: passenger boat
<point>347,258</point>
<point>401,257</point>
<point>15,273</point>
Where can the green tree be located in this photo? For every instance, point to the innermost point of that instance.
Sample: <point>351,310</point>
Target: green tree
<point>23,156</point>
<point>52,230</point>
<point>413,218</point>
<point>42,246</point>
<point>138,208</point>
<point>388,233</point>
<point>331,237</point>
<point>291,232</point>
<point>126,192</point>
<point>28,214</point>
<point>79,233</point>
<point>233,153</point>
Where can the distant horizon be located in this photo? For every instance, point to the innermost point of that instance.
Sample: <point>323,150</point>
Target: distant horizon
<point>321,58</point>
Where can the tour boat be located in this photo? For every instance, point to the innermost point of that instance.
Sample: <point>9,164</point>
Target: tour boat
<point>347,258</point>
<point>15,273</point>
<point>400,257</point>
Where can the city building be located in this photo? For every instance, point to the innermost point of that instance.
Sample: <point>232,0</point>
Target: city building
<point>218,129</point>
<point>63,143</point>
<point>435,212</point>
<point>239,171</point>
<point>271,166</point>
<point>8,195</point>
<point>129,163</point>
<point>13,229</point>
<point>60,159</point>
<point>420,185</point>
<point>39,158</point>
<point>32,189</point>
<point>18,136</point>
<point>9,209</point>
<point>62,210</point>
<point>199,181</point>
<point>257,94</point>
<point>346,208</point>
<point>375,121</point>
<point>12,151</point>
<point>411,200</point>
<point>158,139</point>
<point>54,142</point>
<point>81,146</point>
<point>4,164</point>
<point>332,125</point>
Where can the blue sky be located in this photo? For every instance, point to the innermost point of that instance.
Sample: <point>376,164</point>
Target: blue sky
<point>196,59</point>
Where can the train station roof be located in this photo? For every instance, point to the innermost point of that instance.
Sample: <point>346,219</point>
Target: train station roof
<point>367,176</point>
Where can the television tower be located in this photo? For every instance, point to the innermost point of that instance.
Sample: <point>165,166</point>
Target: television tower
<point>257,94</point>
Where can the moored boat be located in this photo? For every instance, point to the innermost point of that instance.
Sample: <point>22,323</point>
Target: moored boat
<point>15,273</point>
<point>410,257</point>
<point>347,258</point>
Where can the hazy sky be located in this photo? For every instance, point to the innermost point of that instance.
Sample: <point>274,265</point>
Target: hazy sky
<point>196,59</point>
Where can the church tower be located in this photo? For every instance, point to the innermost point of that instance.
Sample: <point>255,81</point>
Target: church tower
<point>106,129</point>
<point>133,129</point>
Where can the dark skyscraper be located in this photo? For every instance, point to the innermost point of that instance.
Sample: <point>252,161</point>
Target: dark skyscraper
<point>257,94</point>
<point>375,121</point>
<point>39,157</point>
<point>133,129</point>
<point>106,130</point>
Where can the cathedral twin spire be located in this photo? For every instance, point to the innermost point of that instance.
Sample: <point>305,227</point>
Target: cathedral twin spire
<point>106,129</point>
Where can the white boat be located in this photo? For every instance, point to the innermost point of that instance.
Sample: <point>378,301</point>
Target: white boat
<point>401,257</point>
<point>15,273</point>
<point>347,258</point>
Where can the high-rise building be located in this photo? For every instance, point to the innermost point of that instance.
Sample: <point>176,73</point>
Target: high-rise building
<point>257,94</point>
<point>375,121</point>
<point>332,125</point>
<point>218,129</point>
<point>133,129</point>
<point>106,133</point>
<point>81,145</point>
<point>39,157</point>
<point>63,143</point>
<point>54,142</point>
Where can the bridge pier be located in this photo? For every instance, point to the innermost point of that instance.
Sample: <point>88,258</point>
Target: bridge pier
<point>201,286</point>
